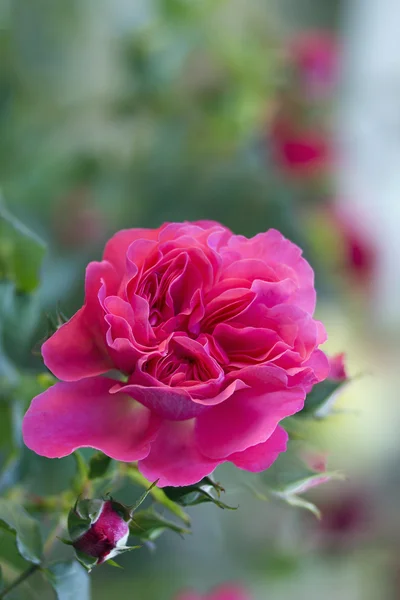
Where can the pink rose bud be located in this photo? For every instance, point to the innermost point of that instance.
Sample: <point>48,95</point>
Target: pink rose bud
<point>99,530</point>
<point>337,368</point>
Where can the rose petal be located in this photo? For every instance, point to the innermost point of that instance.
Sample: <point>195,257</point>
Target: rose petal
<point>117,247</point>
<point>260,457</point>
<point>77,349</point>
<point>249,416</point>
<point>73,415</point>
<point>170,403</point>
<point>174,457</point>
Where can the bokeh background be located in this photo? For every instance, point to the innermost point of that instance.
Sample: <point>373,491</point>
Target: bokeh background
<point>259,114</point>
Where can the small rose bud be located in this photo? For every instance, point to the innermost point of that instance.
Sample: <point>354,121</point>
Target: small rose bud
<point>99,530</point>
<point>337,368</point>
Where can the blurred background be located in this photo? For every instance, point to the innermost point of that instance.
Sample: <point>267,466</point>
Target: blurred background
<point>259,114</point>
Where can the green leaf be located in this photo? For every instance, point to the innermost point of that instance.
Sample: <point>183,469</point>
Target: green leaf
<point>204,491</point>
<point>321,398</point>
<point>142,498</point>
<point>21,253</point>
<point>1,579</point>
<point>69,580</point>
<point>149,525</point>
<point>15,519</point>
<point>82,515</point>
<point>158,494</point>
<point>99,465</point>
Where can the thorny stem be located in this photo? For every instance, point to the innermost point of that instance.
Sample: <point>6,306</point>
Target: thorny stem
<point>32,569</point>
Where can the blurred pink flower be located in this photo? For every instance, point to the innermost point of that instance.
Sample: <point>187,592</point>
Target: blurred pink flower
<point>215,336</point>
<point>337,367</point>
<point>301,152</point>
<point>225,592</point>
<point>315,55</point>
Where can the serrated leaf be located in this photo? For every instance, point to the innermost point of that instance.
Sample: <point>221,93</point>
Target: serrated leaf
<point>21,253</point>
<point>82,516</point>
<point>15,519</point>
<point>99,465</point>
<point>158,494</point>
<point>69,580</point>
<point>149,525</point>
<point>204,491</point>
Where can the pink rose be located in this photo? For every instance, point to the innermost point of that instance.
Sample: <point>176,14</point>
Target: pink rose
<point>215,337</point>
<point>301,152</point>
<point>316,56</point>
<point>225,592</point>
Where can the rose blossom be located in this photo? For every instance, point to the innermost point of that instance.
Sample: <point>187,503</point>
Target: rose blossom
<point>215,337</point>
<point>225,592</point>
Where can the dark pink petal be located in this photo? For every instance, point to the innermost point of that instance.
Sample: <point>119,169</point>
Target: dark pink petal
<point>249,416</point>
<point>78,348</point>
<point>73,415</point>
<point>260,457</point>
<point>175,458</point>
<point>117,247</point>
<point>166,402</point>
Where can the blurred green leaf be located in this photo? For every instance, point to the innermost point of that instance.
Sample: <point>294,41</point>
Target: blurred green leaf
<point>15,519</point>
<point>1,579</point>
<point>149,525</point>
<point>204,491</point>
<point>69,580</point>
<point>291,474</point>
<point>321,398</point>
<point>99,465</point>
<point>21,253</point>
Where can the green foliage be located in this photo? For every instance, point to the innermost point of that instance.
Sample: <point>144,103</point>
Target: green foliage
<point>293,474</point>
<point>99,465</point>
<point>69,580</point>
<point>15,519</point>
<point>21,253</point>
<point>148,525</point>
<point>206,490</point>
<point>320,399</point>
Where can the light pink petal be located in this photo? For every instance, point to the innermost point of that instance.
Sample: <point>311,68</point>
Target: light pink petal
<point>249,416</point>
<point>175,458</point>
<point>260,457</point>
<point>78,348</point>
<point>73,415</point>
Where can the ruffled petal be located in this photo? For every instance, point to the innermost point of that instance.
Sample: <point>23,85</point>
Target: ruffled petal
<point>117,247</point>
<point>260,457</point>
<point>249,416</point>
<point>73,415</point>
<point>78,348</point>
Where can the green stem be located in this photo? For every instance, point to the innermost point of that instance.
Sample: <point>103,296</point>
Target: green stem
<point>32,569</point>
